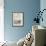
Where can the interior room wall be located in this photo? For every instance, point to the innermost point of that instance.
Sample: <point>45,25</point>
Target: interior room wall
<point>29,7</point>
<point>43,6</point>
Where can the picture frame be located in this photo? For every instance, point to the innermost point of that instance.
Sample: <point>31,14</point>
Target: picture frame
<point>18,19</point>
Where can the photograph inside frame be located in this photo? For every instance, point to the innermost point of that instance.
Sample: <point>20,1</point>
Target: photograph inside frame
<point>18,19</point>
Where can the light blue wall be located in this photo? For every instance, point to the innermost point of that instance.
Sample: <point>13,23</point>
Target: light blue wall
<point>29,7</point>
<point>43,6</point>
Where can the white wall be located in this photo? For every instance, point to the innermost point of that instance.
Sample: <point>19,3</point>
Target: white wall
<point>1,20</point>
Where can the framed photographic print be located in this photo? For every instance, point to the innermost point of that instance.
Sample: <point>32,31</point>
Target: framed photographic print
<point>18,19</point>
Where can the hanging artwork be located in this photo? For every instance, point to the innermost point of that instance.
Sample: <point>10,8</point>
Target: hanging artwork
<point>18,19</point>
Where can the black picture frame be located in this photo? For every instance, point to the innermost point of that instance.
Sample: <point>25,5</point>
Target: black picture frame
<point>17,19</point>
